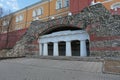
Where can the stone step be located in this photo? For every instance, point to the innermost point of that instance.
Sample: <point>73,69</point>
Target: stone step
<point>71,58</point>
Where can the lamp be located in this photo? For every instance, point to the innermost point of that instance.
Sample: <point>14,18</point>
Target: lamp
<point>69,14</point>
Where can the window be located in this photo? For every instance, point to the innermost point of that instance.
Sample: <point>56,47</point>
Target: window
<point>37,12</point>
<point>19,18</point>
<point>34,13</point>
<point>40,11</point>
<point>66,3</point>
<point>5,23</point>
<point>59,4</point>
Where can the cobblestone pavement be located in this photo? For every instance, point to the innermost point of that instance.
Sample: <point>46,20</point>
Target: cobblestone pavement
<point>45,69</point>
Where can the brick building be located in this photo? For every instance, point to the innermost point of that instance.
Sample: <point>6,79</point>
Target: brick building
<point>47,10</point>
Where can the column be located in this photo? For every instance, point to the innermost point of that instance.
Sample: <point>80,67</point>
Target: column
<point>45,49</point>
<point>83,51</point>
<point>40,49</point>
<point>55,49</point>
<point>68,48</point>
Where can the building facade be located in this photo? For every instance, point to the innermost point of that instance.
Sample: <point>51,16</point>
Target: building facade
<point>55,43</point>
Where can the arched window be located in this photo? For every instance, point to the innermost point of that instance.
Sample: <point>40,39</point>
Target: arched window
<point>59,4</point>
<point>66,3</point>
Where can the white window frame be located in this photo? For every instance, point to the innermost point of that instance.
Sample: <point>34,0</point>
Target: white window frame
<point>5,23</point>
<point>19,18</point>
<point>115,5</point>
<point>34,14</point>
<point>39,11</point>
<point>66,3</point>
<point>58,4</point>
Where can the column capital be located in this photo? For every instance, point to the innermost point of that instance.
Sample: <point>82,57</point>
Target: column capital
<point>55,42</point>
<point>68,41</point>
<point>82,40</point>
<point>41,43</point>
<point>45,43</point>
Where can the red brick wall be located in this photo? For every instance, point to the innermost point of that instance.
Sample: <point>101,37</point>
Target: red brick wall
<point>32,48</point>
<point>104,40</point>
<point>10,39</point>
<point>115,12</point>
<point>77,5</point>
<point>95,38</point>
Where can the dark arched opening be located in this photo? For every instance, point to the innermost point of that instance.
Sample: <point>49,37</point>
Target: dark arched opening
<point>60,28</point>
<point>50,49</point>
<point>75,48</point>
<point>62,50</point>
<point>88,47</point>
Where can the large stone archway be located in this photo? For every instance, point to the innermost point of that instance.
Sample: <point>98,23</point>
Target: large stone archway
<point>102,27</point>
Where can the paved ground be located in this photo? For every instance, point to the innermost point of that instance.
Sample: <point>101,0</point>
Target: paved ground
<point>44,69</point>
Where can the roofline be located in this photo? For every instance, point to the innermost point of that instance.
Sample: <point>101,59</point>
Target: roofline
<point>31,5</point>
<point>27,7</point>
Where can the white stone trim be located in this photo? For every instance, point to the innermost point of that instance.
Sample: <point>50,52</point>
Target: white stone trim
<point>45,49</point>
<point>83,51</point>
<point>55,49</point>
<point>68,48</point>
<point>107,1</point>
<point>66,36</point>
<point>41,49</point>
<point>113,6</point>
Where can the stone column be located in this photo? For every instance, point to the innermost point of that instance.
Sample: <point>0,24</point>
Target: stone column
<point>45,49</point>
<point>68,48</point>
<point>55,49</point>
<point>40,49</point>
<point>83,49</point>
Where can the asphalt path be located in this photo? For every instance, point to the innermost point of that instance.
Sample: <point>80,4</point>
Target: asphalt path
<point>46,69</point>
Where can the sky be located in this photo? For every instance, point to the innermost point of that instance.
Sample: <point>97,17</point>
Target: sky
<point>14,5</point>
<point>24,3</point>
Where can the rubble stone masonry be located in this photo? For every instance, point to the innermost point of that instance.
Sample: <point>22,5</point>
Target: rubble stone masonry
<point>103,29</point>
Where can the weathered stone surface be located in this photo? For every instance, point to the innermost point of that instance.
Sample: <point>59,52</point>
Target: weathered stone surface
<point>112,65</point>
<point>101,23</point>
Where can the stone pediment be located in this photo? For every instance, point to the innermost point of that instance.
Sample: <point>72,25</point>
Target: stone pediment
<point>64,33</point>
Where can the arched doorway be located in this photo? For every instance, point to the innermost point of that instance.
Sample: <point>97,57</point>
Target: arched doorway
<point>60,28</point>
<point>62,48</point>
<point>75,48</point>
<point>88,47</point>
<point>50,49</point>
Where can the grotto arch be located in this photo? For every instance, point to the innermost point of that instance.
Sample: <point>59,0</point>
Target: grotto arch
<point>63,39</point>
<point>92,15</point>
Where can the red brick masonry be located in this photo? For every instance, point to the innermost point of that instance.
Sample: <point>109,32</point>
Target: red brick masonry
<point>10,39</point>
